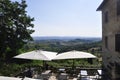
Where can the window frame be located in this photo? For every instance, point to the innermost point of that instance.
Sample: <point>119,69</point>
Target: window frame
<point>117,42</point>
<point>106,17</point>
<point>106,42</point>
<point>118,7</point>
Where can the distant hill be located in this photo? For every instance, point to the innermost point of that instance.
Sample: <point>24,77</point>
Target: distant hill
<point>62,44</point>
<point>55,38</point>
<point>64,41</point>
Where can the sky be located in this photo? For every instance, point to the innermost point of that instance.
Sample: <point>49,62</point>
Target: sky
<point>65,17</point>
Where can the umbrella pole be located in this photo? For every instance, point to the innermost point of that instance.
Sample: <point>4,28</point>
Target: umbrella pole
<point>43,65</point>
<point>73,64</point>
<point>73,67</point>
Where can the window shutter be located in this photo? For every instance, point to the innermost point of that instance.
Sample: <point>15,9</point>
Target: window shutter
<point>117,42</point>
<point>118,7</point>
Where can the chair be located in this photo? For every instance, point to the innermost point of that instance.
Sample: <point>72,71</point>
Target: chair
<point>83,75</point>
<point>45,75</point>
<point>61,70</point>
<point>92,74</point>
<point>63,76</point>
<point>99,74</point>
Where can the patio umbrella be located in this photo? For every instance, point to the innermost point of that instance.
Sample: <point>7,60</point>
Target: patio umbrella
<point>74,55</point>
<point>37,55</point>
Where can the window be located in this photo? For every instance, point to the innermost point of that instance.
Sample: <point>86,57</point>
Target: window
<point>106,17</point>
<point>106,42</point>
<point>117,68</point>
<point>117,42</point>
<point>118,7</point>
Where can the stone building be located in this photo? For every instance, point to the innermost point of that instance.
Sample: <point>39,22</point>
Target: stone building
<point>111,38</point>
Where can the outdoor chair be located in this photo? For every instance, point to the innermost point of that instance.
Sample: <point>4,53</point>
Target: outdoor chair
<point>83,75</point>
<point>92,74</point>
<point>45,75</point>
<point>63,76</point>
<point>99,75</point>
<point>61,70</point>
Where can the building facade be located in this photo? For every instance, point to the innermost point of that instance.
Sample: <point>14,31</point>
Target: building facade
<point>111,39</point>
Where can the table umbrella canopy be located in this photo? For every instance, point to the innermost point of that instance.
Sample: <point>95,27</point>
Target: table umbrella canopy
<point>74,55</point>
<point>38,55</point>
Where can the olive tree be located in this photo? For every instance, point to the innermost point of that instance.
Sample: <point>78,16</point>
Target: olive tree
<point>15,27</point>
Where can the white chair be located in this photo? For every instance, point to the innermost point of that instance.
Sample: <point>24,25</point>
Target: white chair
<point>63,76</point>
<point>83,75</point>
<point>99,74</point>
<point>83,72</point>
<point>46,74</point>
<point>61,70</point>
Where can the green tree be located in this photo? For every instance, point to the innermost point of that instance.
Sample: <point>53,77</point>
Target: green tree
<point>15,27</point>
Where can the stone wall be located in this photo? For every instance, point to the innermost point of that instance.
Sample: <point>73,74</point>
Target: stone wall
<point>111,58</point>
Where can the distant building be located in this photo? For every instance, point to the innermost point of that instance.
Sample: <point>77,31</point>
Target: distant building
<point>111,38</point>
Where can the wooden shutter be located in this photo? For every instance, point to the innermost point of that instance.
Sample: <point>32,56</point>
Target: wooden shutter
<point>117,42</point>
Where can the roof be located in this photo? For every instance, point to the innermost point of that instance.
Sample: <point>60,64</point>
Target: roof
<point>102,5</point>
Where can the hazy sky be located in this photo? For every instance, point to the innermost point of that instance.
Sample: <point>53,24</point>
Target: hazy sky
<point>65,17</point>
